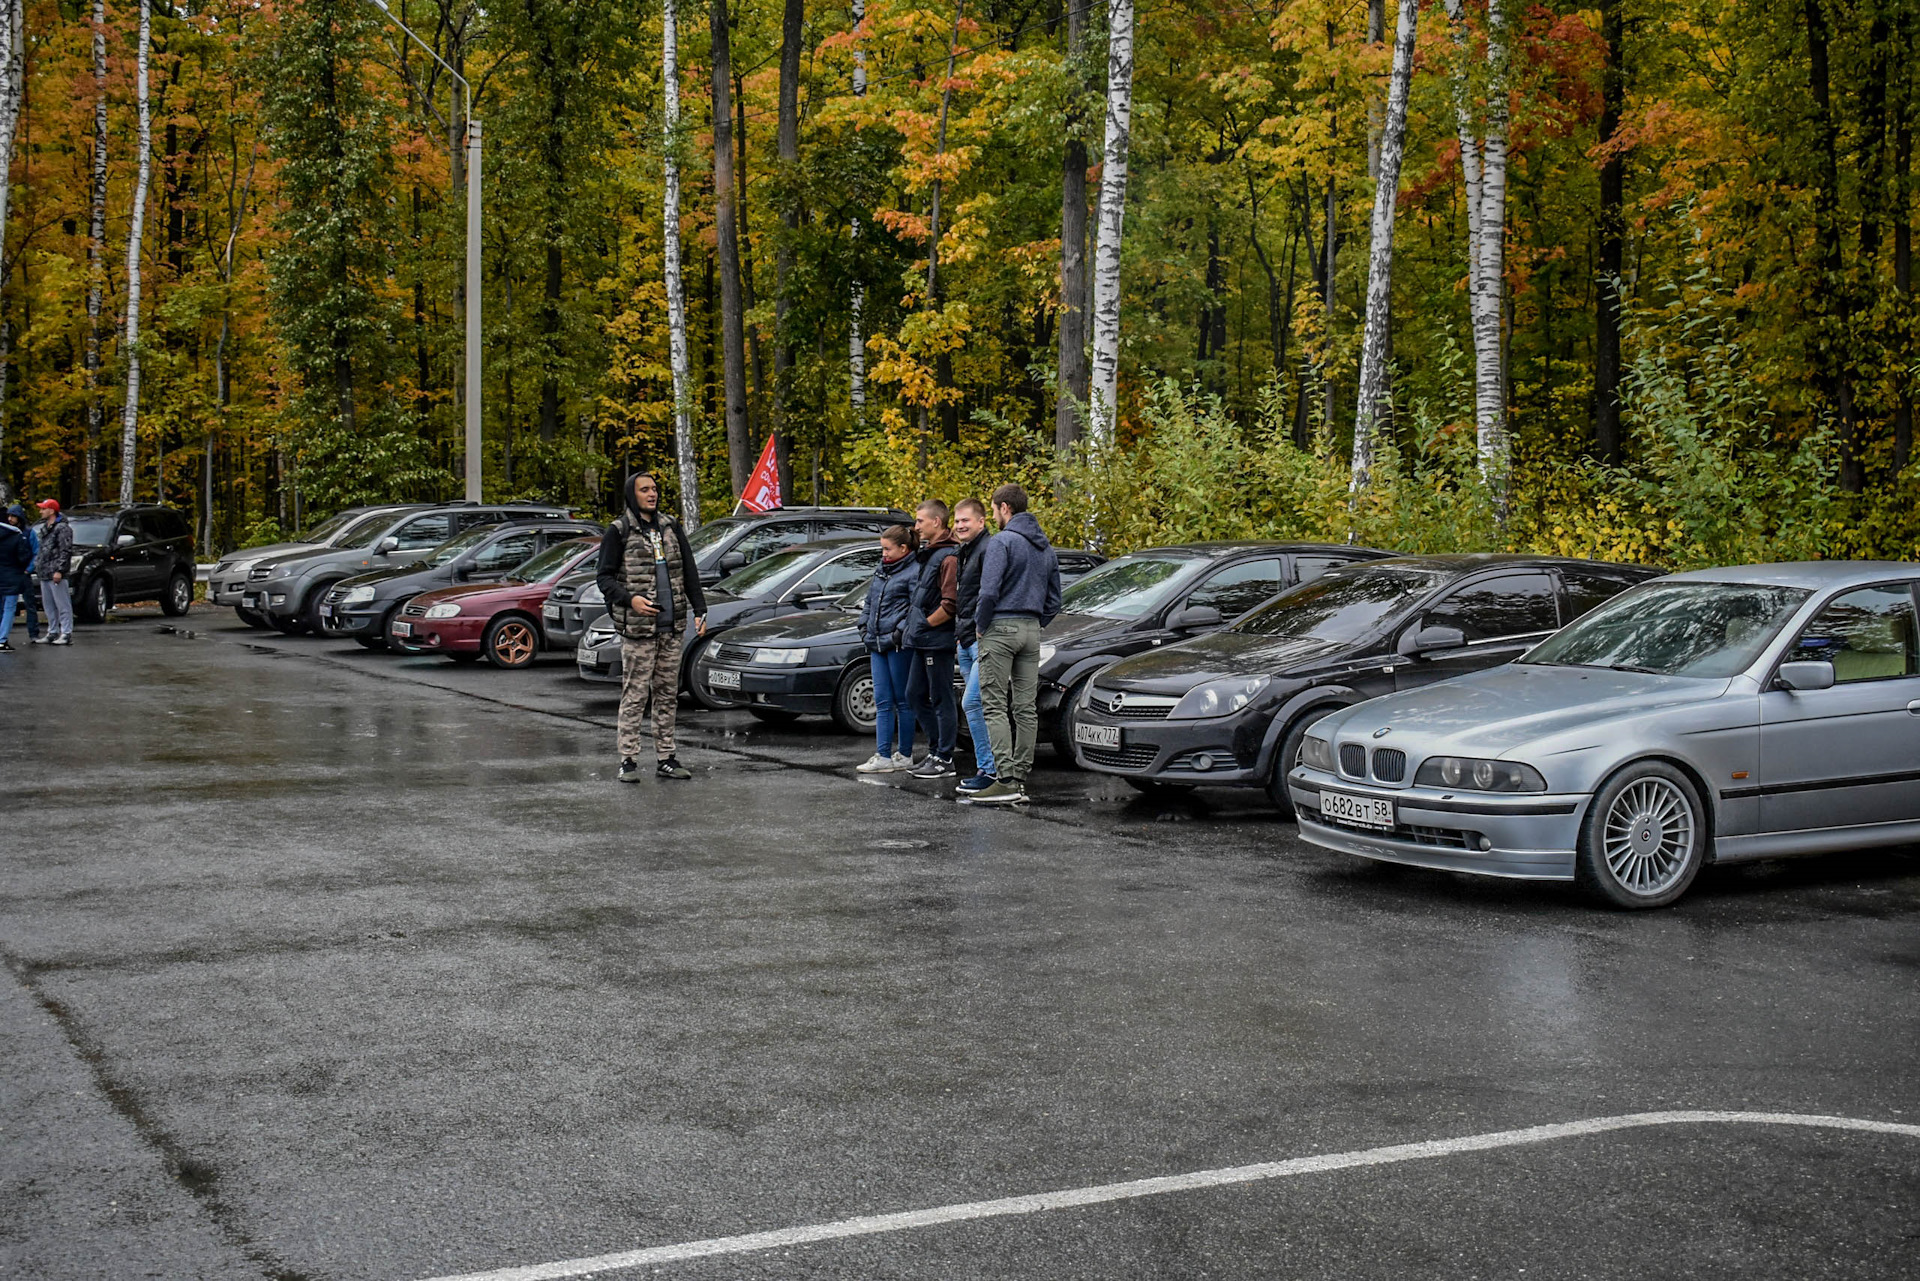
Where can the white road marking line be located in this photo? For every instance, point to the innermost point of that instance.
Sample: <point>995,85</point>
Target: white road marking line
<point>869,1225</point>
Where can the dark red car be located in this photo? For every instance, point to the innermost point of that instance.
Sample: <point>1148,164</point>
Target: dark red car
<point>500,620</point>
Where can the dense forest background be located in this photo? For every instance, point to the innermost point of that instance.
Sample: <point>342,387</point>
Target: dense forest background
<point>1695,342</point>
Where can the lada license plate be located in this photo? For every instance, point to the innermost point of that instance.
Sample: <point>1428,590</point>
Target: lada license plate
<point>1364,810</point>
<point>403,629</point>
<point>550,611</point>
<point>721,678</point>
<point>1097,735</point>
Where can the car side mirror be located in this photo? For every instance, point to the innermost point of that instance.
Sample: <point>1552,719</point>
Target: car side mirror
<point>1194,616</point>
<point>388,545</point>
<point>1808,674</point>
<point>1429,639</point>
<point>732,561</point>
<point>124,540</point>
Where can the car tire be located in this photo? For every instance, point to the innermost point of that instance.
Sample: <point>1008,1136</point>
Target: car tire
<point>1287,757</point>
<point>512,641</point>
<point>773,715</point>
<point>465,656</point>
<point>178,598</point>
<point>368,642</point>
<point>310,609</point>
<point>1644,838</point>
<point>1154,787</point>
<point>93,600</point>
<point>696,688</point>
<point>293,626</point>
<point>251,619</point>
<point>1063,723</point>
<point>854,709</point>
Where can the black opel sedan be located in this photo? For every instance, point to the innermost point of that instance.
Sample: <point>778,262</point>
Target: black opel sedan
<point>1161,596</point>
<point>1230,709</point>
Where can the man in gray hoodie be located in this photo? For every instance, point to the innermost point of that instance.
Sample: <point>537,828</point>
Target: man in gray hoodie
<point>1019,595</point>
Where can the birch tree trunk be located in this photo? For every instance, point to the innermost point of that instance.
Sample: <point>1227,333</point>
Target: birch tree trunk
<point>1067,423</point>
<point>727,250</point>
<point>1374,348</point>
<point>13,86</point>
<point>676,288</point>
<point>1103,388</point>
<point>856,344</point>
<point>1483,165</point>
<point>96,251</point>
<point>130,418</point>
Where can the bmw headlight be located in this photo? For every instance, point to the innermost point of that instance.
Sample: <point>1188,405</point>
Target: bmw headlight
<point>358,595</point>
<point>445,609</point>
<point>1047,652</point>
<point>1220,698</point>
<point>780,657</point>
<point>590,595</point>
<point>1473,775</point>
<point>1316,753</point>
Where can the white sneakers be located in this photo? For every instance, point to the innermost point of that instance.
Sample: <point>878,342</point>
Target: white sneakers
<point>878,764</point>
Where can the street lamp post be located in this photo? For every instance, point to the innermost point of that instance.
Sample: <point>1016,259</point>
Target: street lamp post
<point>473,257</point>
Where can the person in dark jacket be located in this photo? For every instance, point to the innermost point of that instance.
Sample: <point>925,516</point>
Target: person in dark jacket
<point>930,619</point>
<point>651,584</point>
<point>56,559</point>
<point>883,630</point>
<point>970,528</point>
<point>1019,594</point>
<point>31,600</point>
<point>16,570</point>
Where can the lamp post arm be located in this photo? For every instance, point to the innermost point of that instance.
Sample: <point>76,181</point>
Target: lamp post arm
<point>426,48</point>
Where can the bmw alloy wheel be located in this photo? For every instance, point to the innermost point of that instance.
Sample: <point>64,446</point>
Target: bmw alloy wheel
<point>1644,838</point>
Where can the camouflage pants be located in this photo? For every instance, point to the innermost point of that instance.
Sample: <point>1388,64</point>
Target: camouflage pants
<point>649,672</point>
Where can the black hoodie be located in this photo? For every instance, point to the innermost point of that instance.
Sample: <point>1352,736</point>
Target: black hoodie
<point>613,556</point>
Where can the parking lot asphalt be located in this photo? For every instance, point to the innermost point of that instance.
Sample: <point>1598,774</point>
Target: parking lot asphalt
<point>328,964</point>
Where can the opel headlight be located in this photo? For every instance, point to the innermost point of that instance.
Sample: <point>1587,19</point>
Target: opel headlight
<point>781,657</point>
<point>1220,698</point>
<point>358,595</point>
<point>590,595</point>
<point>1316,753</point>
<point>1470,774</point>
<point>446,609</point>
<point>1047,652</point>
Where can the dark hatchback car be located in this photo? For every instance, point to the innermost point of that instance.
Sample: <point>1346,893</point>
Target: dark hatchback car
<point>731,543</point>
<point>1230,709</point>
<point>367,607</point>
<point>1161,596</point>
<point>125,554</point>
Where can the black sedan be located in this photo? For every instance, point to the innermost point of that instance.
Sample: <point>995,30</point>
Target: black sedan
<point>1158,597</point>
<point>367,606</point>
<point>1230,709</point>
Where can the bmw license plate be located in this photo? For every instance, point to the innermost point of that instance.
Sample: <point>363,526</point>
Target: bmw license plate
<point>1097,735</point>
<point>721,678</point>
<point>403,629</point>
<point>1367,811</point>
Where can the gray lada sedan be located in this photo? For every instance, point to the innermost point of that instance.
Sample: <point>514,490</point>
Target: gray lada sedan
<point>1713,716</point>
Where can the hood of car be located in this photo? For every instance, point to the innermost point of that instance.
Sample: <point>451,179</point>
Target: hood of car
<point>1507,708</point>
<point>376,577</point>
<point>1175,669</point>
<point>477,593</point>
<point>254,555</point>
<point>813,627</point>
<point>1080,631</point>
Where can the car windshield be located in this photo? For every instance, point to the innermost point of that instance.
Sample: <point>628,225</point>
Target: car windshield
<point>93,530</point>
<point>768,575</point>
<point>332,525</point>
<point>460,542</point>
<point>1342,605</point>
<point>548,565</point>
<point>1675,629</point>
<point>1131,586</point>
<point>363,532</point>
<point>713,531</point>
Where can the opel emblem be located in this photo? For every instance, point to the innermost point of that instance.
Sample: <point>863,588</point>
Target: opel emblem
<point>1383,731</point>
<point>1116,702</point>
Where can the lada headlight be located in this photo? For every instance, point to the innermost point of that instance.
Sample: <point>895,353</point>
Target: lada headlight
<point>1474,775</point>
<point>1220,698</point>
<point>358,595</point>
<point>781,657</point>
<point>1316,753</point>
<point>446,609</point>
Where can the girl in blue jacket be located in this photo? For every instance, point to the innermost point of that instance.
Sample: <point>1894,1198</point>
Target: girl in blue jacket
<point>883,623</point>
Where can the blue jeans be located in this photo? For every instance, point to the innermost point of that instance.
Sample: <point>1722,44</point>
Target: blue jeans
<point>976,713</point>
<point>893,714</point>
<point>8,604</point>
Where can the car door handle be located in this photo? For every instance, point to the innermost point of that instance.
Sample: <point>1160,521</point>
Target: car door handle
<point>1914,707</point>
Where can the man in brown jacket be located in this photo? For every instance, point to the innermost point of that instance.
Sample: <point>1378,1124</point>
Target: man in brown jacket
<point>929,634</point>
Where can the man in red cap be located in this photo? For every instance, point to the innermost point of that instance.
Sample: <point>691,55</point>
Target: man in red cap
<point>56,557</point>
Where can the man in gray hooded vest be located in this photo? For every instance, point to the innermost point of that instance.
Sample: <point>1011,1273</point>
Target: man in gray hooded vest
<point>651,585</point>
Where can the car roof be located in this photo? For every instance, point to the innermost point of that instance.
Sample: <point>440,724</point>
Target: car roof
<point>1228,546</point>
<point>1464,562</point>
<point>1811,574</point>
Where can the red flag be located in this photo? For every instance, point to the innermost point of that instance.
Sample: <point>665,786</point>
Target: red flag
<point>763,487</point>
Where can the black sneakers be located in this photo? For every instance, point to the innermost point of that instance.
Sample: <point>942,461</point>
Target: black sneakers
<point>932,766</point>
<point>671,768</point>
<point>629,770</point>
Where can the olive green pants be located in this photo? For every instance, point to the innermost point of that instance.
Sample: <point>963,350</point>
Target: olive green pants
<point>1010,693</point>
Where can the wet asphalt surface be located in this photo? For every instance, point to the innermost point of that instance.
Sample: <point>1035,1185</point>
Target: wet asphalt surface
<point>325,964</point>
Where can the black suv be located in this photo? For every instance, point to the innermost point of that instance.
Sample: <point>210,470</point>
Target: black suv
<point>125,554</point>
<point>734,542</point>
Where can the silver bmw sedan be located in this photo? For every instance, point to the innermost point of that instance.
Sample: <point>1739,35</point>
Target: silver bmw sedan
<point>1712,716</point>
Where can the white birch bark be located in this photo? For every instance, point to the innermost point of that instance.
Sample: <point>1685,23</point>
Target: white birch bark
<point>130,418</point>
<point>13,86</point>
<point>1483,165</point>
<point>856,344</point>
<point>1103,403</point>
<point>96,250</point>
<point>676,289</point>
<point>1386,191</point>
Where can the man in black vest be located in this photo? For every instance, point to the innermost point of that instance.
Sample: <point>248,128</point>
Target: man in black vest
<point>930,636</point>
<point>651,584</point>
